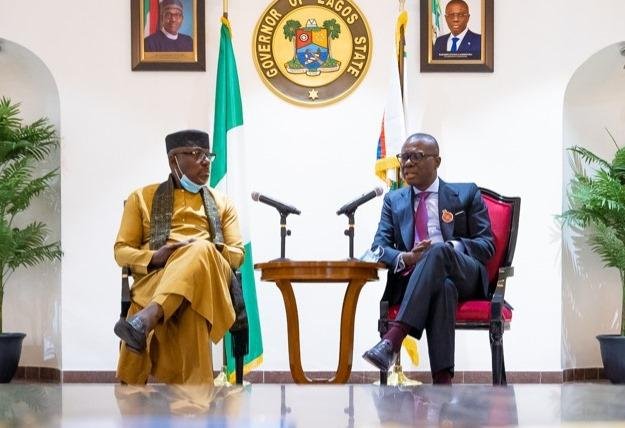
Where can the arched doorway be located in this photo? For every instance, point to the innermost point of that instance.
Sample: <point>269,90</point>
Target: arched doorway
<point>32,302</point>
<point>594,102</point>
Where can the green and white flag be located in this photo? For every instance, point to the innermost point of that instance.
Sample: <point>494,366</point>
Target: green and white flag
<point>436,19</point>
<point>228,175</point>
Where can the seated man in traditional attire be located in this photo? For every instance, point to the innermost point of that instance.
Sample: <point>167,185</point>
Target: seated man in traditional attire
<point>181,240</point>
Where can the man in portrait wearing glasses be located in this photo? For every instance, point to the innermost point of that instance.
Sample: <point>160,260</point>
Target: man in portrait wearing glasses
<point>435,238</point>
<point>167,38</point>
<point>181,240</point>
<point>460,43</point>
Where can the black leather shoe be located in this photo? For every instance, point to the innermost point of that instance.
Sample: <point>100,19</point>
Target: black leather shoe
<point>131,331</point>
<point>381,355</point>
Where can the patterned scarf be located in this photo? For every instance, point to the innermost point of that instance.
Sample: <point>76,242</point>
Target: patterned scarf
<point>162,207</point>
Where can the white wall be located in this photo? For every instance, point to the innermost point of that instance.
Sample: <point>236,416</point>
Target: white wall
<point>502,130</point>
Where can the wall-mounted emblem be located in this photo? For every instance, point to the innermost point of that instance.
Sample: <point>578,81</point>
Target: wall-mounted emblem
<point>312,52</point>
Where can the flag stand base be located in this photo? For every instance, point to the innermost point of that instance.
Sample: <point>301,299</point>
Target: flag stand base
<point>398,378</point>
<point>222,380</point>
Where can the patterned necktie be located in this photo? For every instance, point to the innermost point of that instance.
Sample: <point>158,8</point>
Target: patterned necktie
<point>421,218</point>
<point>454,44</point>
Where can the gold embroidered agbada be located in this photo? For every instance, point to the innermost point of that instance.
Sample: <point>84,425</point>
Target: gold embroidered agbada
<point>192,287</point>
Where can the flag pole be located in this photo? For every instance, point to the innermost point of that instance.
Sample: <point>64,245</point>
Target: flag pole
<point>401,53</point>
<point>398,377</point>
<point>401,50</point>
<point>222,379</point>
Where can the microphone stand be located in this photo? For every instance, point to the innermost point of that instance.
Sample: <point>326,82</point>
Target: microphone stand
<point>284,232</point>
<point>349,232</point>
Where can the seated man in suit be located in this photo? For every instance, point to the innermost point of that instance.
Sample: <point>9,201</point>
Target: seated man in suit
<point>181,239</point>
<point>435,238</point>
<point>461,43</point>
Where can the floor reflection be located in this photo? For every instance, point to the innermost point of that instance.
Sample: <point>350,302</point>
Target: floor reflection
<point>587,404</point>
<point>29,405</point>
<point>325,406</point>
<point>444,406</point>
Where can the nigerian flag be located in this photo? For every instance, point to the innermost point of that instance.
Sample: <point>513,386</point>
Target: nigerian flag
<point>393,135</point>
<point>436,19</point>
<point>393,129</point>
<point>227,175</point>
<point>150,17</point>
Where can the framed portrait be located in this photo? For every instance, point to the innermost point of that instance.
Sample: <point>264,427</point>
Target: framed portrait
<point>167,35</point>
<point>457,35</point>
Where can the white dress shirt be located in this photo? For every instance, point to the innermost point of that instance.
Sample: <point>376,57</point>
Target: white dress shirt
<point>434,223</point>
<point>459,36</point>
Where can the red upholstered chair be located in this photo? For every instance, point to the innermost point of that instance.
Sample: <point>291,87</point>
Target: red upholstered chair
<point>492,314</point>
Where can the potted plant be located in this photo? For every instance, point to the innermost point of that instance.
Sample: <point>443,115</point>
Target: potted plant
<point>597,204</point>
<point>21,147</point>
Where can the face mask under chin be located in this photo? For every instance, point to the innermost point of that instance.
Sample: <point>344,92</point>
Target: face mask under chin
<point>186,183</point>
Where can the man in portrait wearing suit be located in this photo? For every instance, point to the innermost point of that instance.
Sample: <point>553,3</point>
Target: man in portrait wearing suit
<point>435,238</point>
<point>167,38</point>
<point>460,43</point>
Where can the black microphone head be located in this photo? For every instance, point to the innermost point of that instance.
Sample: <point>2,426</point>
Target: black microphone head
<point>378,191</point>
<point>255,196</point>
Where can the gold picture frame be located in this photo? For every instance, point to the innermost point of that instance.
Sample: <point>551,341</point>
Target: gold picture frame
<point>472,51</point>
<point>153,50</point>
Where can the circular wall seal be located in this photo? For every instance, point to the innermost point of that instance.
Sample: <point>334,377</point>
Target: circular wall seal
<point>312,52</point>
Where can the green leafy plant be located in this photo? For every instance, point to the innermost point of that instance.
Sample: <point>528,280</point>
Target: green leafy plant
<point>597,204</point>
<point>21,147</point>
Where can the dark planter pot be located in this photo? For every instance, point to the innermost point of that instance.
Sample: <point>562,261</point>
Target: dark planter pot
<point>613,356</point>
<point>10,351</point>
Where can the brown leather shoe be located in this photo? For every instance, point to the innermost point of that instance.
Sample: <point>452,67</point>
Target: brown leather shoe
<point>133,332</point>
<point>381,355</point>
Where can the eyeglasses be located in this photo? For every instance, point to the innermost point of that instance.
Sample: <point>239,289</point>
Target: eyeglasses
<point>414,157</point>
<point>169,15</point>
<point>456,15</point>
<point>198,154</point>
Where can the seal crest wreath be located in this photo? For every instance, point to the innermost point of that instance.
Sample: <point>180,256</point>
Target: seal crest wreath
<point>312,52</point>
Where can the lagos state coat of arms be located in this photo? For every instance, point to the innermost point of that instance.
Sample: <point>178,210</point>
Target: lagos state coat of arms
<point>312,52</point>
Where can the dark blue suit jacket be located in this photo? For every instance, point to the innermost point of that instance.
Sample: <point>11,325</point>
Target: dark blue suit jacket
<point>471,44</point>
<point>470,225</point>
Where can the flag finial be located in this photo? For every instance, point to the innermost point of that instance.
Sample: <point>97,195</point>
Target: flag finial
<point>225,7</point>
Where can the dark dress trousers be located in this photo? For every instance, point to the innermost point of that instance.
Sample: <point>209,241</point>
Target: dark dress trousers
<point>428,297</point>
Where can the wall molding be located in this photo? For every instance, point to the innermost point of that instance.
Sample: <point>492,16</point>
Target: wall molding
<point>47,374</point>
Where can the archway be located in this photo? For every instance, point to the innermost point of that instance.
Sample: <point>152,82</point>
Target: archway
<point>594,103</point>
<point>32,301</point>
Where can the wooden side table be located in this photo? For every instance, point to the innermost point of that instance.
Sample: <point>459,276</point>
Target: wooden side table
<point>354,272</point>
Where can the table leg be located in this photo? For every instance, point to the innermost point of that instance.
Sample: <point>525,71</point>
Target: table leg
<point>346,347</point>
<point>292,322</point>
<point>348,314</point>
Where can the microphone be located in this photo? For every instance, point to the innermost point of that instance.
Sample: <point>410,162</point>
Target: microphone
<point>351,206</point>
<point>283,208</point>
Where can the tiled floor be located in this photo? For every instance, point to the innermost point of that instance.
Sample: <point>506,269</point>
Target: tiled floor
<point>89,405</point>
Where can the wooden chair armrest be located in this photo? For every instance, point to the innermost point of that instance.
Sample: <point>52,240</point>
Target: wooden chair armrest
<point>125,302</point>
<point>497,300</point>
